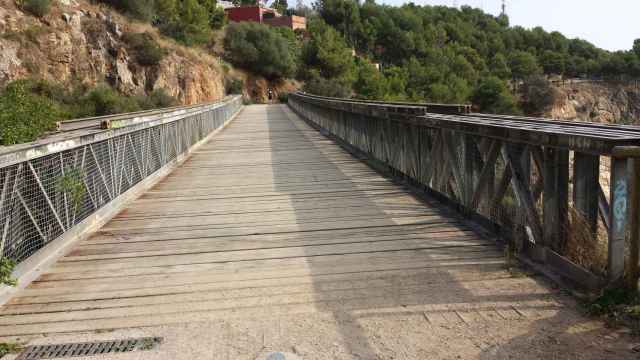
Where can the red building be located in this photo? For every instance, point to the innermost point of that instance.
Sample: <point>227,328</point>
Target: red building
<point>250,13</point>
<point>265,15</point>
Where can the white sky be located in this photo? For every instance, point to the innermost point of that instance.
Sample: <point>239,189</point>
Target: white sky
<point>609,24</point>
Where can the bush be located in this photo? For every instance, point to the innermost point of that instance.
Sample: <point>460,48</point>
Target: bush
<point>25,116</point>
<point>233,86</point>
<point>537,94</point>
<point>158,99</point>
<point>187,22</point>
<point>320,86</point>
<point>492,96</point>
<point>104,100</point>
<point>145,50</point>
<point>37,8</point>
<point>140,9</point>
<point>260,49</point>
<point>283,97</point>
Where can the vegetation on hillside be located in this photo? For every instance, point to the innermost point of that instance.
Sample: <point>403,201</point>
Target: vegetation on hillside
<point>443,54</point>
<point>188,21</point>
<point>29,108</point>
<point>270,52</point>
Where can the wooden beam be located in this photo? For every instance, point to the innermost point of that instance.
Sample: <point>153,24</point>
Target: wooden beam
<point>619,218</point>
<point>486,175</point>
<point>556,197</point>
<point>524,196</point>
<point>586,184</point>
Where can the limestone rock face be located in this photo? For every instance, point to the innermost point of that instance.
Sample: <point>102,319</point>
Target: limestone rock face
<point>80,41</point>
<point>604,102</point>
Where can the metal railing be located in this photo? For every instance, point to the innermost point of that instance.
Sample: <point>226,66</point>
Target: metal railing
<point>535,182</point>
<point>50,186</point>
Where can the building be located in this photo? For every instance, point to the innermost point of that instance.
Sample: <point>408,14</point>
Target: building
<point>250,13</point>
<point>293,22</point>
<point>265,15</point>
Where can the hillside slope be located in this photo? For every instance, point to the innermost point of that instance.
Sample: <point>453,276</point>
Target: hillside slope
<point>606,102</point>
<point>81,42</point>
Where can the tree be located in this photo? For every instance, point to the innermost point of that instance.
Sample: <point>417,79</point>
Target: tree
<point>499,67</point>
<point>217,16</point>
<point>370,83</point>
<point>185,20</point>
<point>280,5</point>
<point>492,96</point>
<point>259,48</point>
<point>636,47</point>
<point>537,95</point>
<point>523,65</point>
<point>327,53</point>
<point>553,62</point>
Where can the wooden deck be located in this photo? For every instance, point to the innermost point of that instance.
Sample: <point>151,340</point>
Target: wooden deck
<point>272,219</point>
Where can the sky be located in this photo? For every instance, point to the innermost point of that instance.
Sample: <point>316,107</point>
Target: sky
<point>609,24</point>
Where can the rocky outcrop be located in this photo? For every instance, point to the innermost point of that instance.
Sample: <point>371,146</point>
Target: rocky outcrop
<point>79,41</point>
<point>605,102</point>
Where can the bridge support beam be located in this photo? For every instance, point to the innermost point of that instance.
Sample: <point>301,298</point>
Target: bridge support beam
<point>556,197</point>
<point>586,187</point>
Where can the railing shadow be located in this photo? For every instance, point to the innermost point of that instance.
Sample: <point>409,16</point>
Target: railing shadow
<point>399,280</point>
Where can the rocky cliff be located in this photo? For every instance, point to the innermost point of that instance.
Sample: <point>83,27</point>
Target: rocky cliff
<point>606,102</point>
<point>79,41</point>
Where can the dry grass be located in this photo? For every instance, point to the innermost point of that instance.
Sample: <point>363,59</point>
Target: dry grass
<point>583,247</point>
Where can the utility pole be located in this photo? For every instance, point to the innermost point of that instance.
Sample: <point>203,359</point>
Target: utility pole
<point>504,7</point>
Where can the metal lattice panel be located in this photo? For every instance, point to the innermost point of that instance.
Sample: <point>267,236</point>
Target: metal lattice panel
<point>43,197</point>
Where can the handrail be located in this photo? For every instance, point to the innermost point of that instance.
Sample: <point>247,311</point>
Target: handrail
<point>50,187</point>
<point>537,183</point>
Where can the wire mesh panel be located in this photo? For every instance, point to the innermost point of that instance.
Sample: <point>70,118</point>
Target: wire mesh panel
<point>43,197</point>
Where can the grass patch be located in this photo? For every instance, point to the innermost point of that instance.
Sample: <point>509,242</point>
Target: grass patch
<point>6,268</point>
<point>9,348</point>
<point>617,306</point>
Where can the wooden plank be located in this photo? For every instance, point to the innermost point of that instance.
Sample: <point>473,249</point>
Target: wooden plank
<point>268,217</point>
<point>556,197</point>
<point>524,196</point>
<point>586,183</point>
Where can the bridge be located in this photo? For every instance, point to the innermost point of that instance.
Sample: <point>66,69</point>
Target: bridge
<point>323,228</point>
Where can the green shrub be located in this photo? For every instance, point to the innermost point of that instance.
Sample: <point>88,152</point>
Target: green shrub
<point>140,9</point>
<point>9,348</point>
<point>6,269</point>
<point>538,95</point>
<point>492,96</point>
<point>37,8</point>
<point>260,49</point>
<point>157,99</point>
<point>324,87</point>
<point>104,100</point>
<point>233,86</point>
<point>145,50</point>
<point>187,22</point>
<point>283,97</point>
<point>25,116</point>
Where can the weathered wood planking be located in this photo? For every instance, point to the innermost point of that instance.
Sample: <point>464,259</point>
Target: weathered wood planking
<point>269,217</point>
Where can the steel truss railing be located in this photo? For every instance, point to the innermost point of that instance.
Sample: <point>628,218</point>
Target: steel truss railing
<point>555,190</point>
<point>49,187</point>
